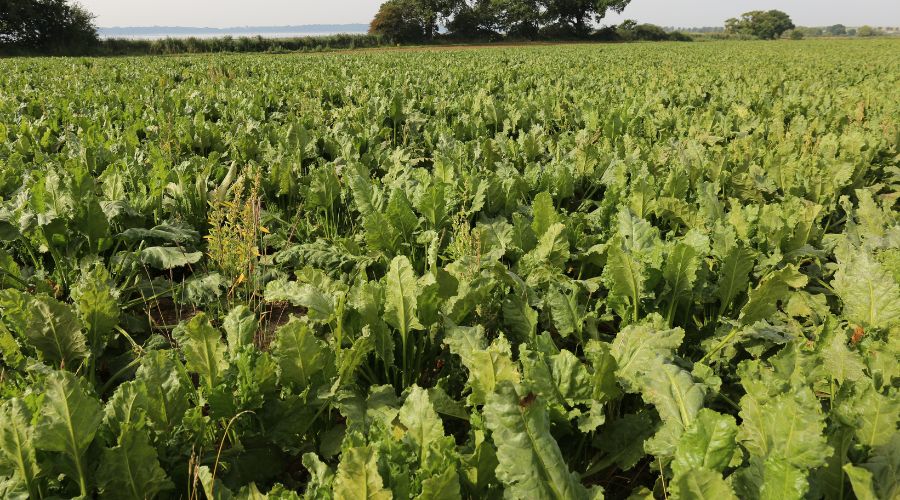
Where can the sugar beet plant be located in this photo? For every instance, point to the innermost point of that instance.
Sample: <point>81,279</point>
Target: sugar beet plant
<point>560,272</point>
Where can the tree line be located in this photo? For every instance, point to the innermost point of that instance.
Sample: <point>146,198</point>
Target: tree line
<point>61,27</point>
<point>420,20</point>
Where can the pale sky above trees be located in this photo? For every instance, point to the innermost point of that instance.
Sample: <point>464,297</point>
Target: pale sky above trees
<point>683,13</point>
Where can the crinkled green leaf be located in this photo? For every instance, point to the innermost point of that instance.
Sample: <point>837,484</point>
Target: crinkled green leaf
<point>400,297</point>
<point>763,300</point>
<point>701,484</point>
<point>733,275</point>
<point>423,426</point>
<point>319,306</point>
<point>168,257</point>
<point>544,213</point>
<point>639,349</point>
<point>531,463</point>
<point>358,478</point>
<point>18,458</point>
<point>870,295</point>
<point>240,325</point>
<point>709,443</point>
<point>131,470</point>
<point>300,355</point>
<point>487,365</point>
<point>204,351</point>
<point>861,480</point>
<point>69,419</point>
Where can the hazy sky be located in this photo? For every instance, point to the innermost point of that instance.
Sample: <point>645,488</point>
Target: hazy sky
<point>227,13</point>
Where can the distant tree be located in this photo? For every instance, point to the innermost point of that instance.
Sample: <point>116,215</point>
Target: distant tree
<point>837,30</point>
<point>851,31</point>
<point>397,20</point>
<point>767,25</point>
<point>579,14</point>
<point>794,34</point>
<point>518,18</point>
<point>475,19</point>
<point>410,20</point>
<point>45,25</point>
<point>867,31</point>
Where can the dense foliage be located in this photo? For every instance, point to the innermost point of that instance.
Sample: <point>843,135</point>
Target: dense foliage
<point>419,19</point>
<point>767,24</point>
<point>550,272</point>
<point>45,26</point>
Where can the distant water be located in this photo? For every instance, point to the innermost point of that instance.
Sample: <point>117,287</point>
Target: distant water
<point>160,32</point>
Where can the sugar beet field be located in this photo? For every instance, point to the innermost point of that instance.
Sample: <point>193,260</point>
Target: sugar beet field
<point>551,272</point>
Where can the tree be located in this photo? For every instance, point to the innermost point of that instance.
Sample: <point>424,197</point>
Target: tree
<point>577,15</point>
<point>396,20</point>
<point>518,18</point>
<point>794,34</point>
<point>837,30</point>
<point>767,25</point>
<point>409,20</point>
<point>475,19</point>
<point>867,31</point>
<point>45,25</point>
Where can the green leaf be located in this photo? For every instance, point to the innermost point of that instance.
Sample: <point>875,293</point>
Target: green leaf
<point>321,477</point>
<point>708,444</point>
<point>163,391</point>
<point>433,205</point>
<point>552,250</point>
<point>734,275</point>
<point>788,426</point>
<point>603,378</point>
<point>204,351</point>
<point>544,214</point>
<point>680,272</point>
<point>300,355</point>
<point>701,484</point>
<point>68,422</point>
<point>18,458</point>
<point>400,297</point>
<point>884,464</point>
<point>639,349</point>
<point>763,300</point>
<point>861,481</point>
<point>318,306</point>
<point>169,232</point>
<point>423,426</point>
<point>168,257</point>
<point>531,463</point>
<point>622,440</point>
<point>401,215</point>
<point>98,306</point>
<point>240,326</point>
<point>49,326</point>
<point>520,318</point>
<point>637,234</point>
<point>839,361</point>
<point>870,295</point>
<point>444,486</point>
<point>677,398</point>
<point>131,470</point>
<point>487,366</point>
<point>568,317</point>
<point>782,481</point>
<point>872,415</point>
<point>358,478</point>
<point>625,276</point>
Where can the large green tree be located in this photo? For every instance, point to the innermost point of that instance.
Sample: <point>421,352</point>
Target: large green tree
<point>407,20</point>
<point>42,25</point>
<point>578,15</point>
<point>767,25</point>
